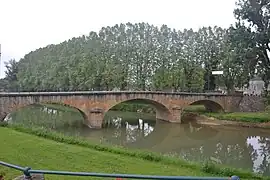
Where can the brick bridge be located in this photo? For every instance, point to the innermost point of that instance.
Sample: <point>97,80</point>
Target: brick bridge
<point>94,104</point>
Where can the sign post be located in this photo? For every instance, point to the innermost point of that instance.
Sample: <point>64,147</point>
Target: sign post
<point>217,73</point>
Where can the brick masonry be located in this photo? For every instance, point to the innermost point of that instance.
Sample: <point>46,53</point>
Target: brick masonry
<point>252,103</point>
<point>94,105</point>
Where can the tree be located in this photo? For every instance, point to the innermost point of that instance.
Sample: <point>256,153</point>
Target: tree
<point>11,74</point>
<point>130,56</point>
<point>209,41</point>
<point>256,14</point>
<point>3,84</point>
<point>238,57</point>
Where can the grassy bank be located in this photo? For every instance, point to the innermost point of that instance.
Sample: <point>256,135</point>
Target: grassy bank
<point>253,117</point>
<point>43,149</point>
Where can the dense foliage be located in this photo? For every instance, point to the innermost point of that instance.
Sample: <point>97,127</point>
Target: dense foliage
<point>141,56</point>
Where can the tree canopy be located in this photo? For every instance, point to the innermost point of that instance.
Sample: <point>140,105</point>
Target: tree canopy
<point>141,56</point>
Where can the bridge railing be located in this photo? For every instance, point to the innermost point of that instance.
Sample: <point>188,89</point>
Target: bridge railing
<point>27,172</point>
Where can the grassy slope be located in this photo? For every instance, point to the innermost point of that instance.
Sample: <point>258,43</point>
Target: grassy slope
<point>28,150</point>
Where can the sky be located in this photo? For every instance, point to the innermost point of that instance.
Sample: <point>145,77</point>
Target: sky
<point>27,25</point>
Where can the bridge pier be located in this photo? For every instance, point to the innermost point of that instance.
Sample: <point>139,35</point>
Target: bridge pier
<point>2,116</point>
<point>176,115</point>
<point>94,118</point>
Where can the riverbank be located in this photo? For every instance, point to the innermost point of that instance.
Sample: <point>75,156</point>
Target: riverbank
<point>259,120</point>
<point>245,119</point>
<point>55,151</point>
<point>208,120</point>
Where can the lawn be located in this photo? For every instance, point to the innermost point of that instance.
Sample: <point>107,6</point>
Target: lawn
<point>39,153</point>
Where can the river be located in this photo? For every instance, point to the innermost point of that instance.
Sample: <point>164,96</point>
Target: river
<point>246,148</point>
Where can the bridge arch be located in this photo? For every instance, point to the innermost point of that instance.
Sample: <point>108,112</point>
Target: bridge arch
<point>162,110</point>
<point>210,105</point>
<point>18,107</point>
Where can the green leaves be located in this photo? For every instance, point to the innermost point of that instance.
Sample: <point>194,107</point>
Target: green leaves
<point>141,56</point>
<point>256,15</point>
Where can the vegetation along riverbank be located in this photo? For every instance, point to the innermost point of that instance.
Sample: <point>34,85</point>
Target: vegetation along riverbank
<point>43,149</point>
<point>250,119</point>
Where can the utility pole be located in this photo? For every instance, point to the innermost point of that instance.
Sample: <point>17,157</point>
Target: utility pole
<point>217,73</point>
<point>208,81</point>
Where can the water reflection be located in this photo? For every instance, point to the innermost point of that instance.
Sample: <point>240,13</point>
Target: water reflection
<point>234,146</point>
<point>122,131</point>
<point>260,153</point>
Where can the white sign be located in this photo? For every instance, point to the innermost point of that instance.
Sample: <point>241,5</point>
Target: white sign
<point>217,72</point>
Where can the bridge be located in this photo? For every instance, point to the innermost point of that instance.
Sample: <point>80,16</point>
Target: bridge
<point>94,104</point>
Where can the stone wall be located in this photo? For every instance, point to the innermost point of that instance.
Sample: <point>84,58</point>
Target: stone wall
<point>252,103</point>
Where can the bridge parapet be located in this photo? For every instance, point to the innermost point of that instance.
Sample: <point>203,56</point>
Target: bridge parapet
<point>110,92</point>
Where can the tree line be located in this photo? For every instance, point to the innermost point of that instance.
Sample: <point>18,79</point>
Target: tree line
<point>142,56</point>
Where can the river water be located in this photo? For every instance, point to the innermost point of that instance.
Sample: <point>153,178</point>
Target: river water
<point>247,148</point>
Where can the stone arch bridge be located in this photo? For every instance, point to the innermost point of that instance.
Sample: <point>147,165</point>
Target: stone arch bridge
<point>94,104</point>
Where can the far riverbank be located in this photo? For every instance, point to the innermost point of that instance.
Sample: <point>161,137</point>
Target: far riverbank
<point>243,119</point>
<point>208,120</point>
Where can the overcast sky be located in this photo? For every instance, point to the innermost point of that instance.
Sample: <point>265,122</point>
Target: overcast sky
<point>29,24</point>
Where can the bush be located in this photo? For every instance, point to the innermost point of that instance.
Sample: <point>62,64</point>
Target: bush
<point>3,124</point>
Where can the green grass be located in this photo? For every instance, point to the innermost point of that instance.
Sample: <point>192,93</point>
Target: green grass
<point>195,108</point>
<point>253,117</point>
<point>59,152</point>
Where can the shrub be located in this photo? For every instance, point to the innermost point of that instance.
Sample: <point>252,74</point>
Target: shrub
<point>3,124</point>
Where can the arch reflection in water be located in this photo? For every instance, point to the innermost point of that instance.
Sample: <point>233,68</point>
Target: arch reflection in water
<point>47,116</point>
<point>123,129</point>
